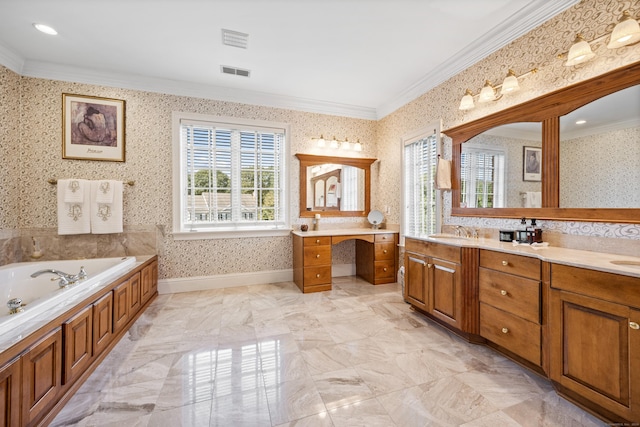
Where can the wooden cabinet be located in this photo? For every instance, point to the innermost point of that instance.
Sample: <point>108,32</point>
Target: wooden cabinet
<point>312,263</point>
<point>595,340</point>
<point>510,303</point>
<point>376,262</point>
<point>10,394</point>
<point>78,348</point>
<point>434,283</point>
<point>121,305</point>
<point>135,294</point>
<point>102,323</point>
<point>41,376</point>
<point>146,284</point>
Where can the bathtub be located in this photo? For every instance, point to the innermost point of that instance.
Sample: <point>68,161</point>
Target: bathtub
<point>41,293</point>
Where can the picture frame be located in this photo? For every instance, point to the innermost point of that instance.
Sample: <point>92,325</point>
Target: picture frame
<point>93,128</point>
<point>531,163</point>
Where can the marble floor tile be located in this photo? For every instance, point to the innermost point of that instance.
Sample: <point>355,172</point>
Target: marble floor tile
<point>268,355</point>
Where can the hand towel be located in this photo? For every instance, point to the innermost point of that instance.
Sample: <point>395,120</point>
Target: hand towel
<point>106,218</point>
<point>105,191</point>
<point>74,217</point>
<point>443,174</point>
<point>533,199</point>
<point>73,190</point>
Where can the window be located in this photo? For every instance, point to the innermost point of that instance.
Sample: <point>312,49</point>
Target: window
<point>229,175</point>
<point>482,177</point>
<point>420,199</point>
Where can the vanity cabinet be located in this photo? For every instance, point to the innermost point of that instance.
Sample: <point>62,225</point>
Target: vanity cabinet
<point>434,282</point>
<point>595,340</point>
<point>10,392</point>
<point>312,263</point>
<point>376,263</point>
<point>510,303</point>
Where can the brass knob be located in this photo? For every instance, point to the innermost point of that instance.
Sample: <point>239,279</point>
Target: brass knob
<point>505,263</point>
<point>503,292</point>
<point>318,241</point>
<point>318,275</point>
<point>384,269</point>
<point>384,251</point>
<point>634,325</point>
<point>318,256</point>
<point>384,237</point>
<point>505,330</point>
<point>429,265</point>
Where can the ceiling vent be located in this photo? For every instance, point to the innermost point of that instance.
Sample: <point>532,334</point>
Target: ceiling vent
<point>235,38</point>
<point>234,71</point>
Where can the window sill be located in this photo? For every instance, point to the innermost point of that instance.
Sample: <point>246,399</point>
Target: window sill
<point>230,234</point>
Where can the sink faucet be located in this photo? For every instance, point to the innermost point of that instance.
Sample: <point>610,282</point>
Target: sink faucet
<point>462,231</point>
<point>64,278</point>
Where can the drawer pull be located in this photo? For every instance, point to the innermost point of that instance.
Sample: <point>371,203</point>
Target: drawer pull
<point>384,251</point>
<point>634,325</point>
<point>318,256</point>
<point>384,237</point>
<point>384,269</point>
<point>318,275</point>
<point>503,292</point>
<point>429,265</point>
<point>505,330</point>
<point>505,263</point>
<point>318,241</point>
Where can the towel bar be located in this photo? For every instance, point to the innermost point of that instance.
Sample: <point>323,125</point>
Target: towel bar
<point>54,181</point>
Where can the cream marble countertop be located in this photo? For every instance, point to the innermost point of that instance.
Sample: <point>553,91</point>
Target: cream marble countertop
<point>342,232</point>
<point>573,257</point>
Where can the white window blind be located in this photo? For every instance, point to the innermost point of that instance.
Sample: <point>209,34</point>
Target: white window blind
<point>420,197</point>
<point>232,176</point>
<point>482,181</point>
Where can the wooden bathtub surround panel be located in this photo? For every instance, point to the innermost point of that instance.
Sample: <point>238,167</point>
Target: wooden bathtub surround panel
<point>40,373</point>
<point>376,258</point>
<point>135,289</point>
<point>10,393</point>
<point>121,305</point>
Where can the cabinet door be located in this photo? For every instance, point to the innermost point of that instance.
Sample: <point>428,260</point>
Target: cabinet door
<point>102,323</point>
<point>10,394</point>
<point>77,344</point>
<point>121,306</point>
<point>41,376</point>
<point>445,300</point>
<point>415,280</point>
<point>595,351</point>
<point>145,284</point>
<point>135,293</point>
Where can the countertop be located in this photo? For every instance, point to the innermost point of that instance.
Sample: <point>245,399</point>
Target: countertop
<point>577,258</point>
<point>342,232</point>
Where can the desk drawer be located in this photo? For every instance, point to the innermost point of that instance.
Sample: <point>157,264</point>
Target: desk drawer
<point>317,241</point>
<point>384,269</point>
<point>512,264</point>
<point>385,251</point>
<point>317,275</point>
<point>511,332</point>
<point>513,294</point>
<point>317,255</point>
<point>387,237</point>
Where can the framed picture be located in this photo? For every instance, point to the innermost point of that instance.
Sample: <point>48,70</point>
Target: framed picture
<point>532,164</point>
<point>92,128</point>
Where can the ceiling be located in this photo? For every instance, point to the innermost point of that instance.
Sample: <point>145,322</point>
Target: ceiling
<point>358,58</point>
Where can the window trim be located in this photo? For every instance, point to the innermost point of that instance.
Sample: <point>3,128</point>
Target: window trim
<point>232,231</point>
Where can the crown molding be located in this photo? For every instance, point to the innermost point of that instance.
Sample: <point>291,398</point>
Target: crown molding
<point>526,19</point>
<point>47,70</point>
<point>11,60</point>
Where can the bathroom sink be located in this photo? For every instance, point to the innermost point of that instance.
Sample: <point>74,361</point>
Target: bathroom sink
<point>626,263</point>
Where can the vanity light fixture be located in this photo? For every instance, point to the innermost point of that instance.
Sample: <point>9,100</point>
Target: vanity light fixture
<point>333,143</point>
<point>345,145</point>
<point>337,144</point>
<point>45,29</point>
<point>357,146</point>
<point>320,142</point>
<point>490,92</point>
<point>625,33</point>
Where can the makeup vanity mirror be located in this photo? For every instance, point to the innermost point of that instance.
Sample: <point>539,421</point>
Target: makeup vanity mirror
<point>334,186</point>
<point>587,173</point>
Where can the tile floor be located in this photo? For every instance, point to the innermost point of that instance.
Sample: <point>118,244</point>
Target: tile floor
<point>268,355</point>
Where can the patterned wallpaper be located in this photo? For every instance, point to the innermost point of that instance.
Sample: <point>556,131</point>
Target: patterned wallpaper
<point>538,48</point>
<point>31,152</point>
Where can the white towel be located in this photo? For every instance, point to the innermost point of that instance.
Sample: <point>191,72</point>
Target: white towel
<point>74,217</point>
<point>443,174</point>
<point>105,191</point>
<point>533,199</point>
<point>73,190</point>
<point>106,218</point>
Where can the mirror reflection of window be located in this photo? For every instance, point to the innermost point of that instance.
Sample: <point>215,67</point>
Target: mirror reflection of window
<point>319,194</point>
<point>332,192</point>
<point>482,182</point>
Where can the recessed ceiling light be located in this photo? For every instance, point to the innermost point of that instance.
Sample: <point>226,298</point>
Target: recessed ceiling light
<point>45,29</point>
<point>581,122</point>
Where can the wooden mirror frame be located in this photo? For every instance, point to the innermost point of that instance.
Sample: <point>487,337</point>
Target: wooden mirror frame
<point>546,109</point>
<point>307,160</point>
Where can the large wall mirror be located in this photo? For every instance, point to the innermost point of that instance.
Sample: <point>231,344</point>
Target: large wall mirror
<point>334,186</point>
<point>585,141</point>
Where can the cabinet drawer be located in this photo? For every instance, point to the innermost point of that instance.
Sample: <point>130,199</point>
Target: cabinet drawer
<point>511,332</point>
<point>384,269</point>
<point>317,275</point>
<point>385,251</point>
<point>510,263</point>
<point>317,241</point>
<point>317,255</point>
<point>436,250</point>
<point>516,295</point>
<point>382,238</point>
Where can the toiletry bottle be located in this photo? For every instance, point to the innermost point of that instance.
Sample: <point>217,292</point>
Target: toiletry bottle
<point>535,232</point>
<point>522,236</point>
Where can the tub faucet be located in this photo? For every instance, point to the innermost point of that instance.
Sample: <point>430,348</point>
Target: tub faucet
<point>64,278</point>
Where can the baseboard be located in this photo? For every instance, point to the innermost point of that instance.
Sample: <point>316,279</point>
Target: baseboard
<point>221,281</point>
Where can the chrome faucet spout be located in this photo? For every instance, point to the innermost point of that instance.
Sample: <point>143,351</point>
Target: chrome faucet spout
<point>51,271</point>
<point>65,279</point>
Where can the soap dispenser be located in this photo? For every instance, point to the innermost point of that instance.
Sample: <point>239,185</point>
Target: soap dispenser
<point>534,233</point>
<point>522,236</point>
